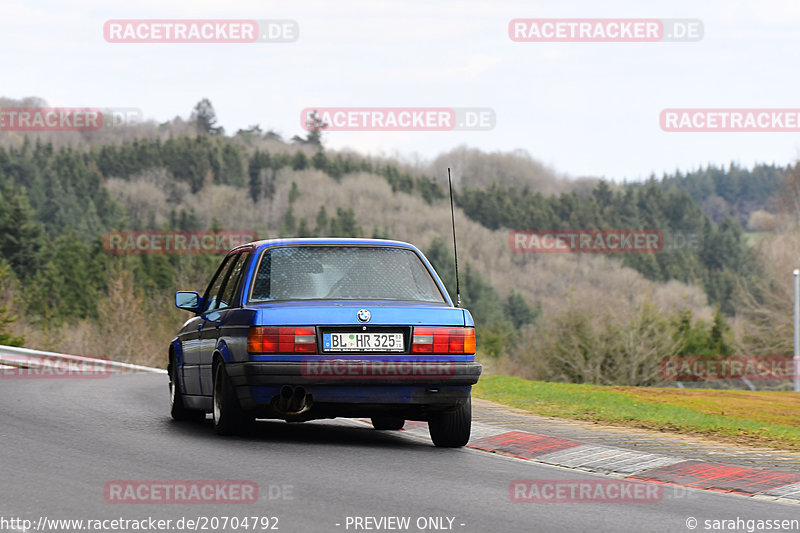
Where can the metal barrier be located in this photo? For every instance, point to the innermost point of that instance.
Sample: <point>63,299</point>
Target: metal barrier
<point>12,356</point>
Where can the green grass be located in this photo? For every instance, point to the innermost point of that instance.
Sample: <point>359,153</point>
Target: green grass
<point>770,419</point>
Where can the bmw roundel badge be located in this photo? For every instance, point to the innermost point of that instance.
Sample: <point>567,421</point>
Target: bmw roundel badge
<point>363,315</point>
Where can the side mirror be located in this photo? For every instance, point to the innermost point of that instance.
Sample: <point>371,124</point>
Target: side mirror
<point>187,300</point>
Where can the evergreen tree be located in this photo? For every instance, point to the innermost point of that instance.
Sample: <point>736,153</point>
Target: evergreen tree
<point>6,317</point>
<point>299,161</point>
<point>205,118</point>
<point>302,229</point>
<point>322,222</point>
<point>21,237</point>
<point>294,193</point>
<point>517,310</point>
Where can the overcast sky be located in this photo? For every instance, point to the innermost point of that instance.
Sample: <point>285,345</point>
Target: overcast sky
<point>582,108</point>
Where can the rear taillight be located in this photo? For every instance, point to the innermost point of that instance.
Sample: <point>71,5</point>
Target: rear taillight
<point>443,340</point>
<point>282,340</point>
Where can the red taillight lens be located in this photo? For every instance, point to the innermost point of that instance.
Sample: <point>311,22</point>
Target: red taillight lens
<point>282,340</point>
<point>443,340</point>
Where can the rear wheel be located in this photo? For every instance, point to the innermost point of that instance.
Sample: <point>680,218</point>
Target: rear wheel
<point>451,429</point>
<point>227,413</point>
<point>177,408</point>
<point>388,422</point>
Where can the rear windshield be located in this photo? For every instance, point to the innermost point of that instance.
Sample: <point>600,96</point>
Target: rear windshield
<point>343,273</point>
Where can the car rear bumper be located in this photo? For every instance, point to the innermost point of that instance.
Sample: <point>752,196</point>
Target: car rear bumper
<point>351,372</point>
<point>347,387</point>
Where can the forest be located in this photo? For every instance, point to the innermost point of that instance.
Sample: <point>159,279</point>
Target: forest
<point>718,288</point>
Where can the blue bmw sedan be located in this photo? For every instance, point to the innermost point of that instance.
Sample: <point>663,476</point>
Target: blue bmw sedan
<point>303,329</point>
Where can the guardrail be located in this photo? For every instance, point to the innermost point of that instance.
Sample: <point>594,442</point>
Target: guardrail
<point>12,356</point>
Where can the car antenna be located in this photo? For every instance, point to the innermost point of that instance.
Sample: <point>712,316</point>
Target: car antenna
<point>455,246</point>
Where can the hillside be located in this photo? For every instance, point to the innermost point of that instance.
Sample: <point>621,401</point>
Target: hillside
<point>57,199</point>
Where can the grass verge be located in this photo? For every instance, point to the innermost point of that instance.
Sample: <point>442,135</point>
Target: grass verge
<point>769,419</point>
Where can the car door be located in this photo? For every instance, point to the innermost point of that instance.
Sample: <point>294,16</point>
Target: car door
<point>226,302</point>
<point>190,355</point>
<point>194,357</point>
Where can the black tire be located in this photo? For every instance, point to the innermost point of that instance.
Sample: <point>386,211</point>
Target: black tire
<point>388,422</point>
<point>176,406</point>
<point>451,429</point>
<point>226,412</point>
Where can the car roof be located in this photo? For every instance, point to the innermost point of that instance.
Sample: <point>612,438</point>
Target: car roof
<point>322,241</point>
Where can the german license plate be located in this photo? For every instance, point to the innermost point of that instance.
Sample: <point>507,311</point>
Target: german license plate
<point>362,342</point>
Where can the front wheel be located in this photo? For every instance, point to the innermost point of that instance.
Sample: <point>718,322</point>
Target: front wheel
<point>227,413</point>
<point>451,429</point>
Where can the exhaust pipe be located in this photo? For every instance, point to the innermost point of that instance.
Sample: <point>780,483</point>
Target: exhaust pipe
<point>285,399</point>
<point>292,400</point>
<point>298,399</point>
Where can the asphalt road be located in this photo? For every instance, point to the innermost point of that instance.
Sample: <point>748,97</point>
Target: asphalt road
<point>62,441</point>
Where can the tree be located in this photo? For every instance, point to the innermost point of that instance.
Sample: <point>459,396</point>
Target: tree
<point>429,189</point>
<point>314,125</point>
<point>189,160</point>
<point>6,337</point>
<point>518,311</point>
<point>273,135</point>
<point>254,174</point>
<point>322,222</point>
<point>345,224</point>
<point>252,131</point>
<point>789,202</point>
<point>69,284</point>
<point>289,223</point>
<point>320,161</point>
<point>718,335</point>
<point>258,184</point>
<point>302,229</point>
<point>299,161</point>
<point>20,236</point>
<point>6,317</point>
<point>696,339</point>
<point>577,347</point>
<point>761,221</point>
<point>205,118</point>
<point>380,233</point>
<point>294,193</point>
<point>493,330</point>
<point>232,172</point>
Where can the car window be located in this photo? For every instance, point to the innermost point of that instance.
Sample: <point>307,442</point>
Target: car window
<point>212,293</point>
<point>230,286</point>
<point>343,273</point>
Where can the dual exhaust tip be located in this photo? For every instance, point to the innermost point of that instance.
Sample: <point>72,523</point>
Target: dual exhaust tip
<point>293,400</point>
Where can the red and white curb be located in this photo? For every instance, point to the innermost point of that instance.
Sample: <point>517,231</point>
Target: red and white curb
<point>630,464</point>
